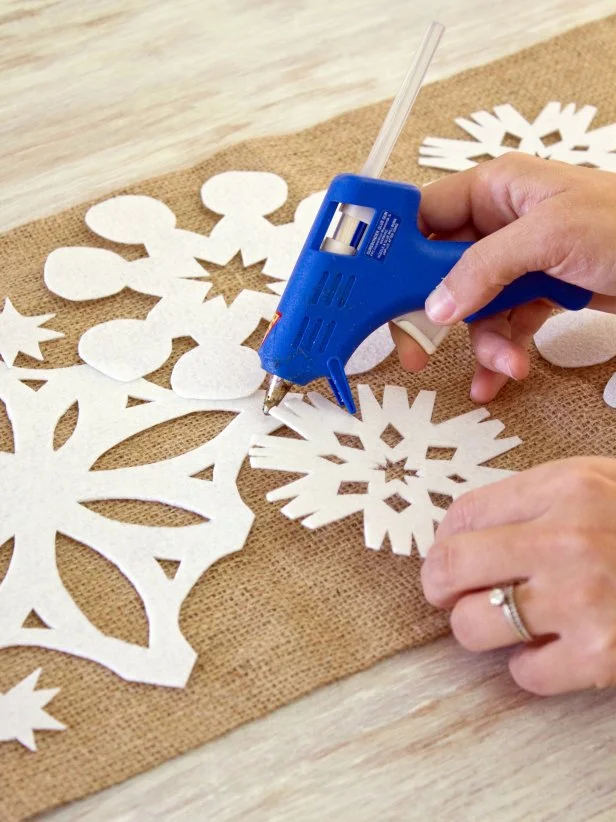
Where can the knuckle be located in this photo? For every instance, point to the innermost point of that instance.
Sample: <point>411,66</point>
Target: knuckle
<point>480,262</point>
<point>438,573</point>
<point>588,592</point>
<point>583,483</point>
<point>460,514</point>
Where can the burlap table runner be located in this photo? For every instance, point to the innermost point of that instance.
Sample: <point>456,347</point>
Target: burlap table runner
<point>295,609</point>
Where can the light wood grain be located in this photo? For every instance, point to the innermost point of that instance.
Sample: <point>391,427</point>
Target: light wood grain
<point>95,95</point>
<point>99,94</point>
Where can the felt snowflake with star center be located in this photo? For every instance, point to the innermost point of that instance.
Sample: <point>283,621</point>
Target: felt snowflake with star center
<point>394,464</point>
<point>558,133</point>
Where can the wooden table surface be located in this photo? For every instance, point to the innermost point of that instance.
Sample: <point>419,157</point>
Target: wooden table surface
<point>98,94</point>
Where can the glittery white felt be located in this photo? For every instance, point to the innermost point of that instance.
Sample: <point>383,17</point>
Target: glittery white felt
<point>403,507</point>
<point>44,491</point>
<point>574,339</point>
<point>573,142</point>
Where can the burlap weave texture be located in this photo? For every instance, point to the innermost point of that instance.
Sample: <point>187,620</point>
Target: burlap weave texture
<point>295,609</point>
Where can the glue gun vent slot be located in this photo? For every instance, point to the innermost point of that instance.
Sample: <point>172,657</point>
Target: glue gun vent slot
<point>300,333</point>
<point>312,335</point>
<point>327,336</point>
<point>330,293</point>
<point>318,289</point>
<point>346,292</point>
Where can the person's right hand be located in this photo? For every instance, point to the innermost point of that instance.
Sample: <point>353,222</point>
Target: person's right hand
<point>525,214</point>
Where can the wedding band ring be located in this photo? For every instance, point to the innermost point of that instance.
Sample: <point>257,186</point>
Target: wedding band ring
<point>504,598</point>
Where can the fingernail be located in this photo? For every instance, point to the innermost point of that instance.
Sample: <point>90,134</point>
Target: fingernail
<point>502,364</point>
<point>440,305</point>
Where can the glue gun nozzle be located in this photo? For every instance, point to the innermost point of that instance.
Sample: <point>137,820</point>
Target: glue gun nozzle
<point>276,392</point>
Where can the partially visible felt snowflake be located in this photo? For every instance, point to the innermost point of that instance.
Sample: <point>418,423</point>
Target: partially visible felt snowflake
<point>559,133</point>
<point>394,464</point>
<point>578,339</point>
<point>20,333</point>
<point>172,270</point>
<point>21,712</point>
<point>45,491</point>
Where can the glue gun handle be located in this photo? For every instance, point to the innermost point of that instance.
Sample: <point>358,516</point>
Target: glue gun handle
<point>536,285</point>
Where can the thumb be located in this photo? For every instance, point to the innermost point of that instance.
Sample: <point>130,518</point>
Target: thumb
<point>493,262</point>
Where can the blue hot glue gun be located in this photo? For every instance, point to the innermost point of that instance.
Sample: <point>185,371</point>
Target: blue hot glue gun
<point>366,263</point>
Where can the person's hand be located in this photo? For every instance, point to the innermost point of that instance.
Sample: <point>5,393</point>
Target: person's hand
<point>526,214</point>
<point>553,529</point>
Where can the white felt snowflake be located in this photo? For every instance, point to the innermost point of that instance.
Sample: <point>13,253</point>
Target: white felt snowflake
<point>21,712</point>
<point>382,464</point>
<point>578,339</point>
<point>558,132</point>
<point>21,333</point>
<point>128,349</point>
<point>44,491</point>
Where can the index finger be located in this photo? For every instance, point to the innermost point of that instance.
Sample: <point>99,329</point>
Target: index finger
<point>520,498</point>
<point>482,195</point>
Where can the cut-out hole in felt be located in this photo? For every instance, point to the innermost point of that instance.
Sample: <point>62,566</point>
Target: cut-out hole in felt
<point>551,138</point>
<point>334,458</point>
<point>131,402</point>
<point>139,512</point>
<point>398,471</point>
<point>147,446</point>
<point>92,581</point>
<point>6,431</point>
<point>438,453</point>
<point>559,132</point>
<point>6,555</point>
<point>169,566</point>
<point>205,474</point>
<point>353,488</point>
<point>469,442</point>
<point>456,478</point>
<point>440,500</point>
<point>65,426</point>
<point>33,385</point>
<point>511,141</point>
<point>68,557</point>
<point>391,436</point>
<point>33,620</point>
<point>349,441</point>
<point>397,503</point>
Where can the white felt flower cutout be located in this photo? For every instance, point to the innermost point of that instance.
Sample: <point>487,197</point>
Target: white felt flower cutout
<point>577,339</point>
<point>21,712</point>
<point>221,367</point>
<point>45,491</point>
<point>382,464</point>
<point>287,241</point>
<point>20,333</point>
<point>243,198</point>
<point>559,132</point>
<point>139,220</point>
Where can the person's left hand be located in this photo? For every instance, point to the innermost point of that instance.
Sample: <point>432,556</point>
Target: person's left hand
<point>551,529</point>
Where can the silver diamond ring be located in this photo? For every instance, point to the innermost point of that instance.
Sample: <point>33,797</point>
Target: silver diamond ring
<point>504,598</point>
